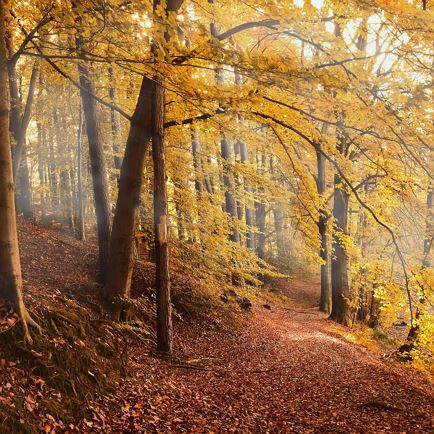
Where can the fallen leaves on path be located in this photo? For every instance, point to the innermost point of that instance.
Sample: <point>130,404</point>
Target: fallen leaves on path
<point>284,372</point>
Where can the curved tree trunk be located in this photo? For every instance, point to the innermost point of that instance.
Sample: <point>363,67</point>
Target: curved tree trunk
<point>130,186</point>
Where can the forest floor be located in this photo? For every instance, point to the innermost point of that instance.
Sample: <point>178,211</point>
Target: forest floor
<point>289,370</point>
<point>285,370</point>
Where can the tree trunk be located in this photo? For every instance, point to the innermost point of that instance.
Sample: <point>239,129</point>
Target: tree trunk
<point>260,223</point>
<point>164,306</point>
<point>41,171</point>
<point>11,283</point>
<point>250,235</point>
<point>230,201</point>
<point>19,126</point>
<point>98,166</point>
<point>260,212</point>
<point>429,225</point>
<point>197,164</point>
<point>54,190</point>
<point>25,191</point>
<point>96,155</point>
<point>339,267</point>
<point>115,127</point>
<point>324,304</point>
<point>80,228</point>
<point>164,315</point>
<point>278,231</point>
<point>130,185</point>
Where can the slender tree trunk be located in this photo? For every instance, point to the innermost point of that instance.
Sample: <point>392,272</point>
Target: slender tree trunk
<point>19,122</point>
<point>197,164</point>
<point>25,197</point>
<point>11,283</point>
<point>230,201</point>
<point>278,231</point>
<point>260,223</point>
<point>260,213</point>
<point>52,169</point>
<point>164,315</point>
<point>96,155</point>
<point>115,126</point>
<point>98,166</point>
<point>250,235</point>
<point>80,228</point>
<point>429,224</point>
<point>19,126</point>
<point>164,306</point>
<point>325,301</point>
<point>41,171</point>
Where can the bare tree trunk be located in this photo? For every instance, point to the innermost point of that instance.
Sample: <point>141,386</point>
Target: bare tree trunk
<point>250,236</point>
<point>25,191</point>
<point>96,155</point>
<point>98,167</point>
<point>11,283</point>
<point>230,201</point>
<point>19,122</point>
<point>278,230</point>
<point>428,241</point>
<point>52,169</point>
<point>130,185</point>
<point>19,127</point>
<point>325,297</point>
<point>80,228</point>
<point>164,305</point>
<point>339,266</point>
<point>197,164</point>
<point>260,213</point>
<point>115,126</point>
<point>164,314</point>
<point>41,171</point>
<point>260,223</point>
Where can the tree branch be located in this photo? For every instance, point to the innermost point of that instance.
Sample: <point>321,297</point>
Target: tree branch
<point>30,35</point>
<point>264,23</point>
<point>194,119</point>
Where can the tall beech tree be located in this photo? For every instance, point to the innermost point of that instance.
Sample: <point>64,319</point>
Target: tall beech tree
<point>164,306</point>
<point>96,153</point>
<point>11,282</point>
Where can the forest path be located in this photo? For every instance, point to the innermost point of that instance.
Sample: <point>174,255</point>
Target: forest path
<point>287,371</point>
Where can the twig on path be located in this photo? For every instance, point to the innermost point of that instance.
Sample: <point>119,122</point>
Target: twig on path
<point>229,371</point>
<point>380,406</point>
<point>300,311</point>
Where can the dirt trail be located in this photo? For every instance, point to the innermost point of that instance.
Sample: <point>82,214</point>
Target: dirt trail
<point>287,371</point>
